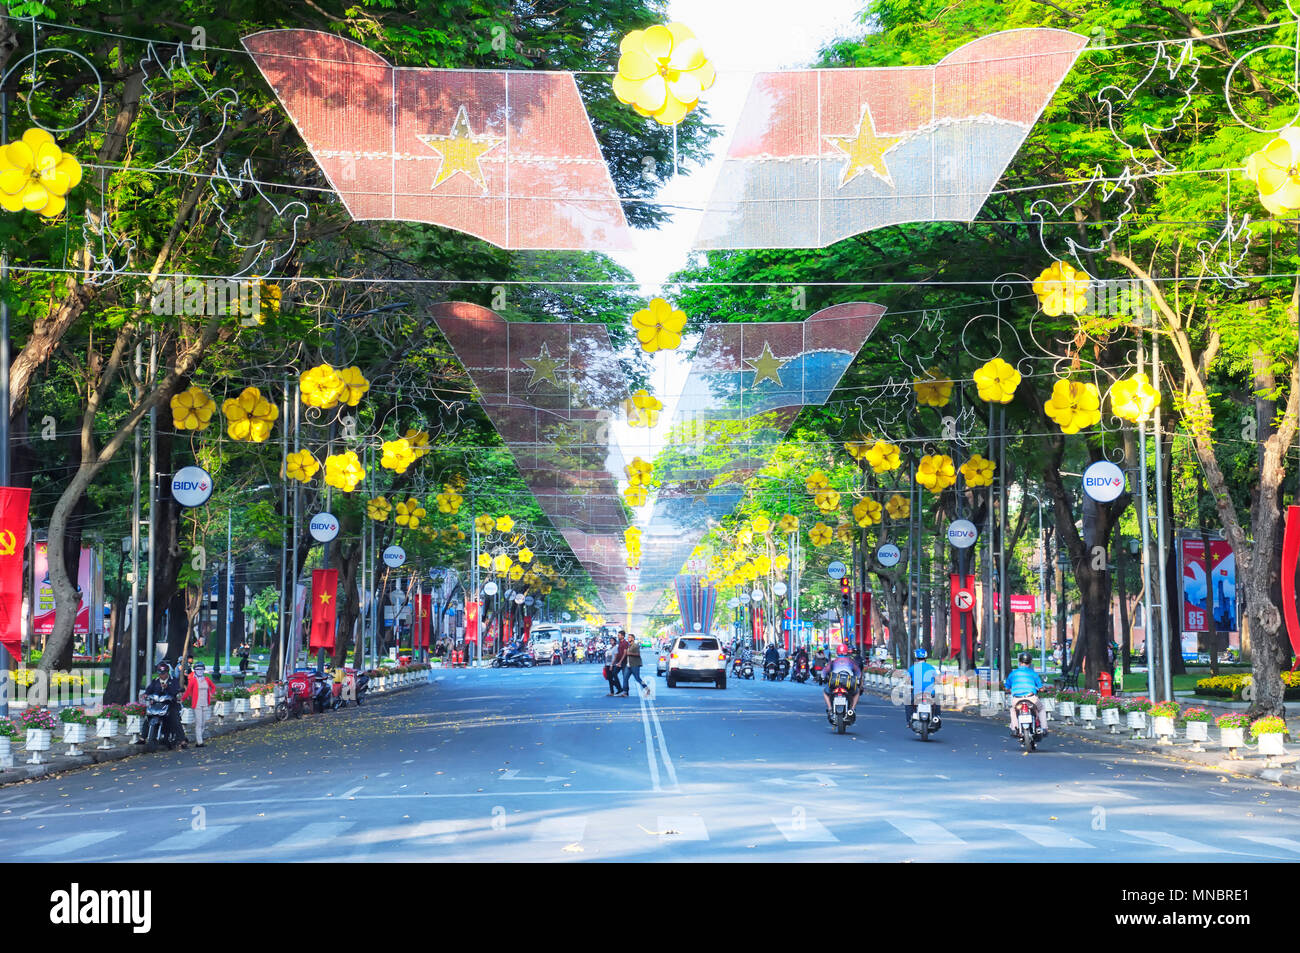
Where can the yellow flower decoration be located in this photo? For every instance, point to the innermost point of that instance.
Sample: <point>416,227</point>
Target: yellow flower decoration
<point>826,500</point>
<point>321,387</point>
<point>378,509</point>
<point>354,386</point>
<point>639,472</point>
<point>485,524</point>
<point>633,562</point>
<point>344,470</point>
<point>1275,170</point>
<point>857,449</point>
<point>505,523</point>
<point>659,327</point>
<point>788,523</point>
<point>36,175</point>
<point>936,473</point>
<point>1133,398</point>
<point>1074,405</point>
<point>782,562</point>
<point>662,71</point>
<point>514,573</point>
<point>398,455</point>
<point>1062,289</point>
<point>866,511</point>
<point>642,409</point>
<point>744,537</point>
<point>845,533</point>
<point>635,496</point>
<point>419,441</point>
<point>249,416</point>
<point>761,525</point>
<point>883,457</point>
<point>449,500</point>
<point>484,561</point>
<point>898,507</point>
<point>817,480</point>
<point>933,389</point>
<point>997,381</point>
<point>977,471</point>
<point>632,533</point>
<point>301,466</point>
<point>762,564</point>
<point>192,409</point>
<point>409,513</point>
<point>525,555</point>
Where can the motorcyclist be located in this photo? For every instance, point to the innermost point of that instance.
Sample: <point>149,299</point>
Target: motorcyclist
<point>843,663</point>
<point>923,678</point>
<point>771,655</point>
<point>166,684</point>
<point>819,660</point>
<point>800,658</point>
<point>1024,682</point>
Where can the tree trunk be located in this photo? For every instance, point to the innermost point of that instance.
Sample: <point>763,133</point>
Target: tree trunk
<point>349,563</point>
<point>941,596</point>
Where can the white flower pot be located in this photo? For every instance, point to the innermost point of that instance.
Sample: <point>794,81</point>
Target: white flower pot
<point>1197,731</point>
<point>221,709</point>
<point>255,704</point>
<point>6,752</point>
<point>1110,718</point>
<point>1066,711</point>
<point>241,708</point>
<point>106,728</point>
<point>1163,726</point>
<point>984,698</point>
<point>1049,704</point>
<point>1271,744</point>
<point>1232,739</point>
<point>997,700</point>
<point>187,716</point>
<point>38,740</point>
<point>134,725</point>
<point>1137,721</point>
<point>1089,715</point>
<point>74,736</point>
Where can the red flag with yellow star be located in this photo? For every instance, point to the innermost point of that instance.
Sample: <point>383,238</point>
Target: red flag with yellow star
<point>13,539</point>
<point>324,593</point>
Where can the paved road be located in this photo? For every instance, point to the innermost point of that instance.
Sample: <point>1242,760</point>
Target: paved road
<point>543,765</point>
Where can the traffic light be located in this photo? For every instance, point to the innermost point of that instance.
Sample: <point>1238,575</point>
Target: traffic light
<point>844,590</point>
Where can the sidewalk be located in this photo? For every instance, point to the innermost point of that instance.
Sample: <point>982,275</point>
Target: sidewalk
<point>1282,771</point>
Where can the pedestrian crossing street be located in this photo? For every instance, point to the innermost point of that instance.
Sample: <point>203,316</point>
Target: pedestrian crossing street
<point>924,838</point>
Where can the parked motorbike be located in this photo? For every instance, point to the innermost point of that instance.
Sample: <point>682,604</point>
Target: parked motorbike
<point>157,710</point>
<point>1026,718</point>
<point>297,693</point>
<point>925,719</point>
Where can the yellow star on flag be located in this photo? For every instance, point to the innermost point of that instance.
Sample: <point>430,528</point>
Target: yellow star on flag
<point>543,367</point>
<point>866,150</point>
<point>324,597</point>
<point>766,367</point>
<point>461,150</point>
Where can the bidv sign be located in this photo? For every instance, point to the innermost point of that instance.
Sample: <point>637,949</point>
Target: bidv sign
<point>962,534</point>
<point>323,527</point>
<point>191,486</point>
<point>1103,481</point>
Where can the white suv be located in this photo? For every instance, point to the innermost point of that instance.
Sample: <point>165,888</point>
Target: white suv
<point>544,642</point>
<point>697,658</point>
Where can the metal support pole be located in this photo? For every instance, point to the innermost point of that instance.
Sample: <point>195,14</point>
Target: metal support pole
<point>1162,541</point>
<point>1144,521</point>
<point>1004,609</point>
<point>153,510</point>
<point>135,535</point>
<point>285,600</point>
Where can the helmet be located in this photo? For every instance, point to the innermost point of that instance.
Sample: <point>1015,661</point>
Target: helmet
<point>920,654</point>
<point>162,667</point>
<point>842,649</point>
<point>1026,658</point>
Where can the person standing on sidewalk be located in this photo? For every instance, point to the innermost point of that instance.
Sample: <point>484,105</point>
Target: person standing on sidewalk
<point>199,694</point>
<point>632,660</point>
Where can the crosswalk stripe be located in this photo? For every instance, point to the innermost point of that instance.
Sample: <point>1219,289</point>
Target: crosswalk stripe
<point>1285,843</point>
<point>1048,836</point>
<point>313,835</point>
<point>804,830</point>
<point>687,826</point>
<point>1183,845</point>
<point>570,830</point>
<point>66,845</point>
<point>924,832</point>
<point>189,840</point>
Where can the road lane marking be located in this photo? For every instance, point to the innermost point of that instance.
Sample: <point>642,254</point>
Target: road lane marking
<point>649,748</point>
<point>74,842</point>
<point>1285,843</point>
<point>353,791</point>
<point>687,826</point>
<point>313,835</point>
<point>1183,845</point>
<point>189,840</point>
<point>1048,836</point>
<point>566,830</point>
<point>804,830</point>
<point>922,831</point>
<point>663,744</point>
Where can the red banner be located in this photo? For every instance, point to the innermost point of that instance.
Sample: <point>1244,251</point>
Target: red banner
<point>324,588</point>
<point>13,539</point>
<point>1290,556</point>
<point>1017,603</point>
<point>862,619</point>
<point>471,621</point>
<point>423,615</point>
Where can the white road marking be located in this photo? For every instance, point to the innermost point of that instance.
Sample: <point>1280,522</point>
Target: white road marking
<point>804,781</point>
<point>384,775</point>
<point>242,784</point>
<point>687,826</point>
<point>353,791</point>
<point>460,678</point>
<point>567,830</point>
<point>313,835</point>
<point>1183,845</point>
<point>189,840</point>
<point>944,776</point>
<point>650,748</point>
<point>663,744</point>
<point>1285,843</point>
<point>1048,836</point>
<point>514,775</point>
<point>1094,791</point>
<point>804,829</point>
<point>75,842</point>
<point>409,761</point>
<point>924,832</point>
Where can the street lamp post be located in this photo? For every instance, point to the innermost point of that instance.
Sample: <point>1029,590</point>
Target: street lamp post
<point>1042,584</point>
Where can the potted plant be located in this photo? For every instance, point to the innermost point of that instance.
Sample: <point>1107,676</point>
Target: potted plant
<point>1162,716</point>
<point>187,712</point>
<point>73,720</point>
<point>1047,695</point>
<point>1065,702</point>
<point>1136,709</point>
<point>1231,731</point>
<point>1110,708</point>
<point>1088,708</point>
<point>106,725</point>
<point>1268,731</point>
<point>222,707</point>
<point>240,700</point>
<point>38,723</point>
<point>7,731</point>
<point>1197,726</point>
<point>133,714</point>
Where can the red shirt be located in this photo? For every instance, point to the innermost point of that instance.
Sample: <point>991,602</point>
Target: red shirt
<point>192,691</point>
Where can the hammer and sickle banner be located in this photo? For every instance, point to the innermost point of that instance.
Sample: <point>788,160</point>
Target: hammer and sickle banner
<point>423,616</point>
<point>324,593</point>
<point>13,539</point>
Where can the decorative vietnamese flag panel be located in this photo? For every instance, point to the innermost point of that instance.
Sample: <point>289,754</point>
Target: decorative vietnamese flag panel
<point>14,503</point>
<point>324,593</point>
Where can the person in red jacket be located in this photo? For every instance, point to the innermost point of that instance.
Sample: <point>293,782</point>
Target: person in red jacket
<point>199,694</point>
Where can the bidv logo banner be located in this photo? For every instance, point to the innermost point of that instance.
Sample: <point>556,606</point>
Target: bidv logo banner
<point>1103,481</point>
<point>962,534</point>
<point>323,527</point>
<point>192,486</point>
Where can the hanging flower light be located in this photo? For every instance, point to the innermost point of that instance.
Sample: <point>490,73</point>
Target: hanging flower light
<point>826,500</point>
<point>866,511</point>
<point>883,457</point>
<point>484,524</point>
<point>505,523</point>
<point>788,523</point>
<point>378,509</point>
<point>301,466</point>
<point>1133,398</point>
<point>515,572</point>
<point>1275,170</point>
<point>936,472</point>
<point>898,507</point>
<point>932,389</point>
<point>857,449</point>
<point>761,525</point>
<point>397,456</point>
<point>36,175</point>
<point>525,555</point>
<point>484,561</point>
<point>977,471</point>
<point>642,409</point>
<point>635,496</point>
<point>321,387</point>
<point>419,441</point>
<point>249,416</point>
<point>762,564</point>
<point>192,409</point>
<point>639,472</point>
<point>845,533</point>
<point>782,562</point>
<point>449,500</point>
<point>662,71</point>
<point>997,381</point>
<point>1062,289</point>
<point>354,386</point>
<point>817,480</point>
<point>1074,405</point>
<point>344,470</point>
<point>409,513</point>
<point>659,327</point>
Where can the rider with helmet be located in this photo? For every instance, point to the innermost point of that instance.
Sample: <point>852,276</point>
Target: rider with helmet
<point>924,678</point>
<point>166,684</point>
<point>843,668</point>
<point>1024,682</point>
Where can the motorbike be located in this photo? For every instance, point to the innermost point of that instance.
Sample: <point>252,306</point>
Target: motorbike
<point>297,695</point>
<point>839,715</point>
<point>783,668</point>
<point>158,707</point>
<point>771,671</point>
<point>1027,731</point>
<point>819,672</point>
<point>512,658</point>
<point>925,720</point>
<point>800,673</point>
<point>742,666</point>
